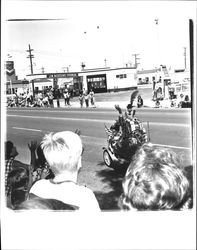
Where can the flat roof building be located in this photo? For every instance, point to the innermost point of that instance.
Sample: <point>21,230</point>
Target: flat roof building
<point>98,79</point>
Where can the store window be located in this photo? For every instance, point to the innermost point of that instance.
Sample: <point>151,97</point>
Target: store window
<point>97,82</point>
<point>121,76</point>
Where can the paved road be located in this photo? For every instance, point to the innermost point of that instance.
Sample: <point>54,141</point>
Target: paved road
<point>167,127</point>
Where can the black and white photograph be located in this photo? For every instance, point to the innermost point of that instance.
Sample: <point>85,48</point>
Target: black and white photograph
<point>98,125</point>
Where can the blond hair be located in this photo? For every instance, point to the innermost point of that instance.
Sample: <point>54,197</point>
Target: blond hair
<point>62,151</point>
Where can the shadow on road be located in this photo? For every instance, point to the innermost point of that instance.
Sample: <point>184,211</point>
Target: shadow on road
<point>113,179</point>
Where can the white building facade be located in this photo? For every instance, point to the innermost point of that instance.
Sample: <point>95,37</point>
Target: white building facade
<point>99,80</point>
<point>107,79</point>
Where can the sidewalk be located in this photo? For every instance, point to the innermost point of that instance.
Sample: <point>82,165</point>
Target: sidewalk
<point>122,98</point>
<point>104,104</point>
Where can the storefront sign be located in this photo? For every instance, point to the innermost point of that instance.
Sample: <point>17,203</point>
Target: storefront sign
<point>62,75</point>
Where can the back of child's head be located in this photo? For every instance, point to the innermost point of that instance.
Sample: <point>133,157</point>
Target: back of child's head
<point>154,180</point>
<point>62,151</point>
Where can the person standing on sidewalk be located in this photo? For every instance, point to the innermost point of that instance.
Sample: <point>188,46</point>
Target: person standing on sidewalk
<point>56,94</point>
<point>87,99</point>
<point>66,96</point>
<point>50,96</point>
<point>81,99</point>
<point>139,101</point>
<point>92,98</point>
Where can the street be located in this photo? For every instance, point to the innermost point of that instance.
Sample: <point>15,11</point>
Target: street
<point>167,127</point>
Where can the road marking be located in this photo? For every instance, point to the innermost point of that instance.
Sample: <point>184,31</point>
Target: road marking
<point>98,141</point>
<point>30,129</point>
<point>65,111</point>
<point>62,118</point>
<point>169,146</point>
<point>96,120</point>
<point>167,124</point>
<point>172,112</point>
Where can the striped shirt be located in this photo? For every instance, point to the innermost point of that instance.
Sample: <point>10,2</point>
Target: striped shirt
<point>8,168</point>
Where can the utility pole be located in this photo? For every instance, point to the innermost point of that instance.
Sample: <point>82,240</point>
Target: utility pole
<point>11,89</point>
<point>136,59</point>
<point>66,69</point>
<point>105,62</point>
<point>185,57</point>
<point>83,65</point>
<point>157,28</point>
<point>30,56</point>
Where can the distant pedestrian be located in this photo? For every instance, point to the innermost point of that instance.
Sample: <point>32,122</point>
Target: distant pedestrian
<point>65,94</point>
<point>16,99</point>
<point>46,101</point>
<point>50,97</point>
<point>92,98</point>
<point>28,99</point>
<point>139,101</point>
<point>68,98</point>
<point>87,100</point>
<point>56,94</point>
<point>81,99</point>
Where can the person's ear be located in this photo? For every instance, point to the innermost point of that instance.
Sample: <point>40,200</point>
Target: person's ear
<point>79,164</point>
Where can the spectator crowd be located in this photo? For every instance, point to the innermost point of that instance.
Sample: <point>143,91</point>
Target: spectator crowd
<point>155,178</point>
<point>46,98</point>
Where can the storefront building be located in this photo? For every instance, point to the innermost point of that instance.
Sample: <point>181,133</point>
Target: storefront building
<point>99,80</point>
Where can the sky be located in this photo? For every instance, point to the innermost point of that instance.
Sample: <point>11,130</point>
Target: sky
<point>92,31</point>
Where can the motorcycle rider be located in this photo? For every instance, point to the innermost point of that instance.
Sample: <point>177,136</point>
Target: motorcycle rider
<point>130,133</point>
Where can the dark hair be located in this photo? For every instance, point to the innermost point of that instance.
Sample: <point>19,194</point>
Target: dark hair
<point>115,126</point>
<point>186,98</point>
<point>18,177</point>
<point>35,202</point>
<point>129,106</point>
<point>8,149</point>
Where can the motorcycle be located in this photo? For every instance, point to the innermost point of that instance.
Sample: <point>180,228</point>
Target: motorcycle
<point>120,149</point>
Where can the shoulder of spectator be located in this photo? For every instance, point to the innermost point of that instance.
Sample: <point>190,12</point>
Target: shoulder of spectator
<point>17,163</point>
